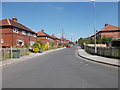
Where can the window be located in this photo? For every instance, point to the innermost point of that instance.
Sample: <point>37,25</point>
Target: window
<point>15,30</point>
<point>35,35</point>
<point>23,32</point>
<point>2,41</point>
<point>29,34</point>
<point>20,42</point>
<point>31,43</point>
<point>47,43</point>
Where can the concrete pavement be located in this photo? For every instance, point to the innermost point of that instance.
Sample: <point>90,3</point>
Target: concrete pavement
<point>99,59</point>
<point>59,69</point>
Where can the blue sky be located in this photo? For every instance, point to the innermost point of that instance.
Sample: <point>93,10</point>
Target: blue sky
<point>75,18</point>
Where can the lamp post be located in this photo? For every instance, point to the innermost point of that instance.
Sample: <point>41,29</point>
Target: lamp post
<point>94,22</point>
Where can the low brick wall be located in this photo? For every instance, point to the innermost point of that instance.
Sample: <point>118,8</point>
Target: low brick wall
<point>6,53</point>
<point>113,52</point>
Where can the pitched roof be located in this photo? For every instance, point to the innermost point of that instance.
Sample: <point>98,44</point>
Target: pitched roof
<point>95,33</point>
<point>9,22</point>
<point>42,33</point>
<point>109,27</point>
<point>53,36</point>
<point>63,39</point>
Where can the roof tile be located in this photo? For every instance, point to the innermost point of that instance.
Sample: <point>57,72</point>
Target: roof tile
<point>9,22</point>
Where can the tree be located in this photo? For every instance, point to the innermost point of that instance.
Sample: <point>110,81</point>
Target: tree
<point>53,44</point>
<point>76,42</point>
<point>70,42</point>
<point>85,40</point>
<point>60,44</point>
<point>99,40</point>
<point>106,40</point>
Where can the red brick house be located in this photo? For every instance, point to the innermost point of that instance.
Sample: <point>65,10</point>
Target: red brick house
<point>93,36</point>
<point>64,40</point>
<point>56,40</point>
<point>14,34</point>
<point>109,31</point>
<point>44,37</point>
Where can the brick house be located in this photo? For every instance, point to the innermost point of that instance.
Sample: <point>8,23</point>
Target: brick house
<point>44,37</point>
<point>93,36</point>
<point>56,40</point>
<point>109,31</point>
<point>14,34</point>
<point>64,40</point>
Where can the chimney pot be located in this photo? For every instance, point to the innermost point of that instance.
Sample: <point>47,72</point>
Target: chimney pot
<point>14,19</point>
<point>42,30</point>
<point>106,25</point>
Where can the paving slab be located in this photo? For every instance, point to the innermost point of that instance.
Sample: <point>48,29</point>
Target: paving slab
<point>96,58</point>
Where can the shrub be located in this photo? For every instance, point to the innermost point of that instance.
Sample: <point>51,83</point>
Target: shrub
<point>36,47</point>
<point>46,47</point>
<point>60,44</point>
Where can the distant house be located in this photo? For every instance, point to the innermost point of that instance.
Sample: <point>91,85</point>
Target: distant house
<point>109,31</point>
<point>93,36</point>
<point>44,37</point>
<point>64,40</point>
<point>56,40</point>
<point>14,34</point>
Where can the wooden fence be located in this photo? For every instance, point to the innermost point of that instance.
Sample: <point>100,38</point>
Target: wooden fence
<point>104,51</point>
<point>7,53</point>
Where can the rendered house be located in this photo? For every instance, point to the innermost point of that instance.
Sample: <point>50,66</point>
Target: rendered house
<point>56,40</point>
<point>44,37</point>
<point>14,34</point>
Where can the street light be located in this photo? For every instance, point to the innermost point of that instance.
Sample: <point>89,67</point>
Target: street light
<point>94,21</point>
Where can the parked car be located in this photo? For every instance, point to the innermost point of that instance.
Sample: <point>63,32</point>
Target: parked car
<point>67,46</point>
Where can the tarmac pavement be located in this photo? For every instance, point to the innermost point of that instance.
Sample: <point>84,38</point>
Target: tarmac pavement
<point>59,69</point>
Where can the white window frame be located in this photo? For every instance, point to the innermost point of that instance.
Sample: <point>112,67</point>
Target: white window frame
<point>48,43</point>
<point>2,41</point>
<point>23,32</point>
<point>15,30</point>
<point>18,41</point>
<point>31,43</point>
<point>29,34</point>
<point>35,35</point>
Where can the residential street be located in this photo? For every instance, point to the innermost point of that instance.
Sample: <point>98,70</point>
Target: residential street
<point>59,69</point>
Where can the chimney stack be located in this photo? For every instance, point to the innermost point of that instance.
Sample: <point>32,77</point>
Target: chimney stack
<point>14,19</point>
<point>42,30</point>
<point>106,25</point>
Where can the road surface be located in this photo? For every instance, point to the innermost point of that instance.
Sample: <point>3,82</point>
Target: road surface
<point>59,69</point>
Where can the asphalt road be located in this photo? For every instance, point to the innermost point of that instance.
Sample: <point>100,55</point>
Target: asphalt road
<point>59,69</point>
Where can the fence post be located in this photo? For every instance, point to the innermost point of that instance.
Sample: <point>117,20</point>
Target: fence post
<point>4,54</point>
<point>11,52</point>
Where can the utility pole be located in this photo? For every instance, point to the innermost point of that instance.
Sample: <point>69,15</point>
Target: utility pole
<point>63,37</point>
<point>71,39</point>
<point>94,22</point>
<point>62,33</point>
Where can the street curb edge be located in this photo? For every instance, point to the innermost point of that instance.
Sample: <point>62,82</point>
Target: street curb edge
<point>98,61</point>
